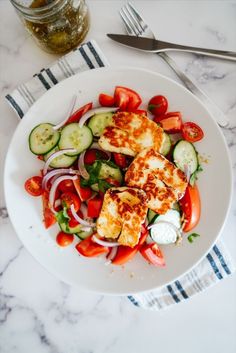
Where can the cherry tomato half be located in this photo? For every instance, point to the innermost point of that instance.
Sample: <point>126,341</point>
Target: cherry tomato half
<point>64,239</point>
<point>94,207</point>
<point>93,154</point>
<point>105,100</point>
<point>126,98</point>
<point>33,185</point>
<point>69,198</point>
<point>73,222</point>
<point>192,132</point>
<point>66,186</point>
<point>158,105</point>
<point>75,117</point>
<point>153,254</point>
<point>48,216</point>
<point>89,248</point>
<point>170,122</point>
<point>190,205</point>
<point>84,192</point>
<point>120,160</point>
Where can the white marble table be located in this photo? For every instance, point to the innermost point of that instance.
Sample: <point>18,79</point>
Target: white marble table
<point>41,314</point>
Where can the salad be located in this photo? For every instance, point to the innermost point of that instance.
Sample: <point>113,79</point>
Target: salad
<point>118,179</point>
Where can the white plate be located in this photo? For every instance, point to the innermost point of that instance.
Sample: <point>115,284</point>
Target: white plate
<point>215,184</point>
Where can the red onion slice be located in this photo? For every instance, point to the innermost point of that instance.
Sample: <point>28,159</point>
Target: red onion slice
<point>104,243</point>
<point>92,112</point>
<point>68,114</point>
<point>81,166</point>
<point>112,253</point>
<point>54,155</point>
<point>57,203</point>
<point>79,219</point>
<point>53,190</point>
<point>58,172</point>
<point>187,172</point>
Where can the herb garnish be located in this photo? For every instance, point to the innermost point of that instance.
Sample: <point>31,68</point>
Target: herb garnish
<point>192,236</point>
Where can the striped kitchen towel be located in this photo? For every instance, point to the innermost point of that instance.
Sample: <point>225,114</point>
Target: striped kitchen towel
<point>213,268</point>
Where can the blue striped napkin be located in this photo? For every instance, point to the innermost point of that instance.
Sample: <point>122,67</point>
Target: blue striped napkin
<point>212,269</point>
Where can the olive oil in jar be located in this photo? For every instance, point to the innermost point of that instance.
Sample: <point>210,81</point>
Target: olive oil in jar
<point>57,25</point>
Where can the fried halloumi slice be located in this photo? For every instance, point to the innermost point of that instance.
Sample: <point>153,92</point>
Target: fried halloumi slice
<point>129,133</point>
<point>123,211</point>
<point>163,183</point>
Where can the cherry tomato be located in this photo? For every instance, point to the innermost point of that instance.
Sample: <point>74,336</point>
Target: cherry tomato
<point>158,105</point>
<point>192,132</point>
<point>113,181</point>
<point>73,222</point>
<point>66,186</point>
<point>92,155</point>
<point>79,113</point>
<point>89,248</point>
<point>126,253</point>
<point>70,198</point>
<point>190,205</point>
<point>84,192</point>
<point>48,216</point>
<point>126,98</point>
<point>105,100</point>
<point>170,122</point>
<point>120,160</point>
<point>94,207</point>
<point>33,185</point>
<point>153,254</point>
<point>64,239</point>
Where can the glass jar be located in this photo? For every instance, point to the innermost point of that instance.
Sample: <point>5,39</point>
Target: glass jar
<point>56,25</point>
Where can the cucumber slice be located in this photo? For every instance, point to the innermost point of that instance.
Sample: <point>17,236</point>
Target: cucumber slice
<point>74,136</point>
<point>150,215</point>
<point>185,154</point>
<point>98,122</point>
<point>164,233</point>
<point>106,171</point>
<point>62,161</point>
<point>70,230</point>
<point>43,138</point>
<point>84,234</point>
<point>166,144</point>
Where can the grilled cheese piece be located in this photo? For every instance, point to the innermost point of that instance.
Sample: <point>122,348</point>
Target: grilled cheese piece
<point>123,211</point>
<point>129,133</point>
<point>163,183</point>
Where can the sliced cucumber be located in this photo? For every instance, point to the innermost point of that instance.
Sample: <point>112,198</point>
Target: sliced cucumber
<point>150,215</point>
<point>84,234</point>
<point>98,123</point>
<point>164,232</point>
<point>184,154</point>
<point>166,144</point>
<point>70,230</point>
<point>62,161</point>
<point>74,136</point>
<point>107,171</point>
<point>95,187</point>
<point>43,138</point>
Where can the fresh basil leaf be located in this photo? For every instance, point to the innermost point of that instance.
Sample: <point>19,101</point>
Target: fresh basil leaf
<point>103,185</point>
<point>192,236</point>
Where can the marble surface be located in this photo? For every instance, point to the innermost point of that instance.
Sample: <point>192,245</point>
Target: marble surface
<point>41,314</point>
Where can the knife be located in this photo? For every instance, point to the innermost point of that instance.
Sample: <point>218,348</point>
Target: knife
<point>157,46</point>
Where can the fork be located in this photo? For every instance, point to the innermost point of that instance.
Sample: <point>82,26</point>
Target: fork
<point>135,25</point>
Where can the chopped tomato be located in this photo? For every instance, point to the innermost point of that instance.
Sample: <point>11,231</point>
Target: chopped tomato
<point>66,186</point>
<point>113,181</point>
<point>89,248</point>
<point>105,100</point>
<point>73,222</point>
<point>170,122</point>
<point>33,185</point>
<point>69,198</point>
<point>126,253</point>
<point>84,192</point>
<point>40,157</point>
<point>79,113</point>
<point>126,98</point>
<point>153,254</point>
<point>139,111</point>
<point>190,205</point>
<point>158,105</point>
<point>94,207</point>
<point>192,132</point>
<point>48,216</point>
<point>64,239</point>
<point>93,154</point>
<point>120,160</point>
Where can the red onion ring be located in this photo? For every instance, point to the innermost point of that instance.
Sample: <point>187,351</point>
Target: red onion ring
<point>81,166</point>
<point>92,112</point>
<point>54,155</point>
<point>54,186</point>
<point>187,172</point>
<point>68,114</point>
<point>79,219</point>
<point>112,253</point>
<point>58,172</point>
<point>104,243</point>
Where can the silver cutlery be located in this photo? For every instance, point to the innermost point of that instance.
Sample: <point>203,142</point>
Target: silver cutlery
<point>152,45</point>
<point>136,26</point>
